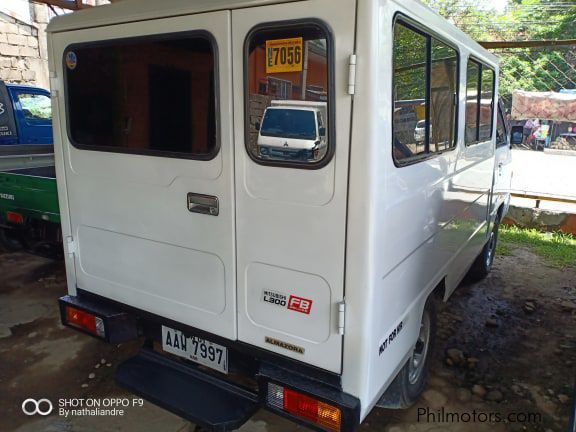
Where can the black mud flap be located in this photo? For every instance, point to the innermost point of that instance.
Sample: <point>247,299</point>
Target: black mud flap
<point>188,392</point>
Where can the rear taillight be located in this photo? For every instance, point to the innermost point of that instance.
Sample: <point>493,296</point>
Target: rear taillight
<point>85,321</point>
<point>15,218</point>
<point>305,407</point>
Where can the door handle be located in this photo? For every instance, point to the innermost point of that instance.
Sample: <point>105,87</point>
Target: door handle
<point>203,204</point>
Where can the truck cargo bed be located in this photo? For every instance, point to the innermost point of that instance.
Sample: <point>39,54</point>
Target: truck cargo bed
<point>45,172</point>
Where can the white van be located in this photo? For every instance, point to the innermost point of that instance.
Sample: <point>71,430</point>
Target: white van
<point>312,280</point>
<point>293,130</point>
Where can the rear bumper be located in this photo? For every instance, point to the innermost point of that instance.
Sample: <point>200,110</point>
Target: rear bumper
<point>187,389</point>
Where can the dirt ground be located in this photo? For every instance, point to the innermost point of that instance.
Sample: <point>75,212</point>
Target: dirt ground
<point>505,346</point>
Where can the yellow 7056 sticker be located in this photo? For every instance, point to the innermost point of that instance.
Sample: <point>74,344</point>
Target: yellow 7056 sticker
<point>284,55</point>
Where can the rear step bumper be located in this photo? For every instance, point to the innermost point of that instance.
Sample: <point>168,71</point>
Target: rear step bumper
<point>209,400</point>
<point>203,399</point>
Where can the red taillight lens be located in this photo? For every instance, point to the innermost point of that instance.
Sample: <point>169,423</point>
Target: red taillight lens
<point>15,218</point>
<point>85,320</point>
<point>300,405</point>
<point>303,406</point>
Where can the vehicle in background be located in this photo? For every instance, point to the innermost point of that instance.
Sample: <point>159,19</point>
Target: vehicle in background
<point>29,214</point>
<point>302,282</point>
<point>420,131</point>
<point>293,130</point>
<point>25,127</point>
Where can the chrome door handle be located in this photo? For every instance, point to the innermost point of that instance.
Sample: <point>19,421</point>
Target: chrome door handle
<point>203,204</point>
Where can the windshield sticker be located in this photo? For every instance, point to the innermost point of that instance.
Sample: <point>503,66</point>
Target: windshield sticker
<point>284,55</point>
<point>71,60</point>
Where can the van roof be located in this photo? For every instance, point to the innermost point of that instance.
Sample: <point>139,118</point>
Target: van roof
<point>142,10</point>
<point>127,11</point>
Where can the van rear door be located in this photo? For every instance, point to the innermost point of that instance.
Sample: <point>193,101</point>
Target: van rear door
<point>291,205</point>
<point>148,161</point>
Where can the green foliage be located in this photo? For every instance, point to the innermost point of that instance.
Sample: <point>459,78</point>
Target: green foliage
<point>558,249</point>
<point>536,69</point>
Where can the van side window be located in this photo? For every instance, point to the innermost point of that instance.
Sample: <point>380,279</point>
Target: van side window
<point>443,87</point>
<point>501,133</point>
<point>479,102</point>
<point>151,95</point>
<point>425,95</point>
<point>288,81</point>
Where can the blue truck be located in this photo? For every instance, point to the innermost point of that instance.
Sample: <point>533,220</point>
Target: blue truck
<point>29,213</point>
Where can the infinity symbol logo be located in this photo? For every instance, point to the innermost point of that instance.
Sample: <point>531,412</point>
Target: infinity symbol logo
<point>42,407</point>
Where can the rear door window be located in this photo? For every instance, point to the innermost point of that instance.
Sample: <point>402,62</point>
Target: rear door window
<point>288,96</point>
<point>154,95</point>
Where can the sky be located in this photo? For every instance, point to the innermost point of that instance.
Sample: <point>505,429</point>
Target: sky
<point>500,5</point>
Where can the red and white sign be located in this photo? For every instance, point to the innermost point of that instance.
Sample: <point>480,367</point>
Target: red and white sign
<point>300,304</point>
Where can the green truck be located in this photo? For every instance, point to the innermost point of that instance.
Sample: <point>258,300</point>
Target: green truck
<point>29,214</point>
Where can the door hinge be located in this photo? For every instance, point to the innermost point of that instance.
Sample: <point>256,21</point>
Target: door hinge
<point>70,246</point>
<point>54,84</point>
<point>352,74</point>
<point>341,317</point>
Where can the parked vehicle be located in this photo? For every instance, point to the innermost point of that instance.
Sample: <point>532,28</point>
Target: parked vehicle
<point>25,127</point>
<point>29,215</point>
<point>314,280</point>
<point>293,130</point>
<point>420,131</point>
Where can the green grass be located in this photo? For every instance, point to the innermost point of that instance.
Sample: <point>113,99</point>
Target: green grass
<point>558,249</point>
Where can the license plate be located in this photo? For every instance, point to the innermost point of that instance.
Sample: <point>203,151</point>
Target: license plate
<point>196,349</point>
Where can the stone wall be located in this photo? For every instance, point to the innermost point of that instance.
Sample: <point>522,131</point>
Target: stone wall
<point>23,48</point>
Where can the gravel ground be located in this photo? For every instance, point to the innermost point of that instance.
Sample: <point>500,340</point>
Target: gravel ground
<point>505,345</point>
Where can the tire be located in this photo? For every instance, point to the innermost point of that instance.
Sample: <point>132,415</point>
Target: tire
<point>483,263</point>
<point>411,380</point>
<point>10,241</point>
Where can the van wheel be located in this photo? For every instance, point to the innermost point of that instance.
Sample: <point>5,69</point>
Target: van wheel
<point>483,263</point>
<point>10,240</point>
<point>411,380</point>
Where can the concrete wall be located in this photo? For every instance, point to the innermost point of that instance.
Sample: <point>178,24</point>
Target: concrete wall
<point>544,220</point>
<point>23,51</point>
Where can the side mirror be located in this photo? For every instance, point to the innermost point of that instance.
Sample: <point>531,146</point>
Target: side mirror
<point>257,126</point>
<point>322,131</point>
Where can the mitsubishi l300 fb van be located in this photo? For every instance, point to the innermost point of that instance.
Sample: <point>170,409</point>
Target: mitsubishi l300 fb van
<point>302,285</point>
<point>293,130</point>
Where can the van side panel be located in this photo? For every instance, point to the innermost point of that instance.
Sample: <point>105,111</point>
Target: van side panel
<point>409,227</point>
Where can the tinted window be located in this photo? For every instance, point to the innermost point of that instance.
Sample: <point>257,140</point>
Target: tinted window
<point>479,103</point>
<point>487,101</point>
<point>472,80</point>
<point>425,94</point>
<point>151,96</point>
<point>288,79</point>
<point>501,130</point>
<point>410,97</point>
<point>35,107</point>
<point>443,100</point>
